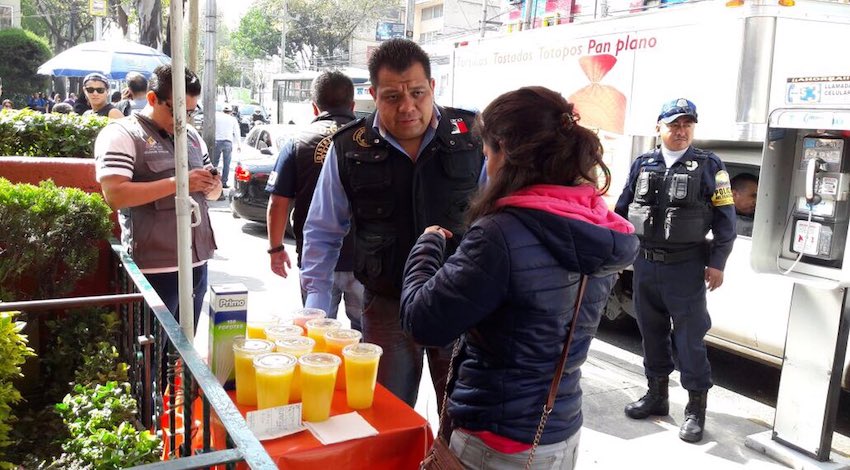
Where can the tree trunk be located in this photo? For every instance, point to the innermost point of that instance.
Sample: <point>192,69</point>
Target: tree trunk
<point>150,22</point>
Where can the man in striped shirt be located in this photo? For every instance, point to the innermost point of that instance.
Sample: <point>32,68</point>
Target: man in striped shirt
<point>135,168</point>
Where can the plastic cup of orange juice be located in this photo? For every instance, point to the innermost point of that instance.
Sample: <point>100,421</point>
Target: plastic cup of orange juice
<point>317,328</point>
<point>296,346</point>
<point>318,375</point>
<point>257,327</point>
<point>301,316</point>
<point>274,373</point>
<point>361,373</point>
<point>244,351</point>
<point>276,332</point>
<point>335,340</point>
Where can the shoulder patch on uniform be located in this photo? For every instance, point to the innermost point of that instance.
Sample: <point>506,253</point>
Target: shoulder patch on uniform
<point>722,190</point>
<point>359,137</point>
<point>322,149</point>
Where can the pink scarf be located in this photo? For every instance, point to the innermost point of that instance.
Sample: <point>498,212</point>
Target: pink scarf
<point>574,202</point>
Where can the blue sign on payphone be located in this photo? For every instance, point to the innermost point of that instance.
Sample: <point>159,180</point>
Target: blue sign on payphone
<point>388,30</point>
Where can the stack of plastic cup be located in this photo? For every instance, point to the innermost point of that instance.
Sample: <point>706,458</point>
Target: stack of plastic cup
<point>257,327</point>
<point>296,346</point>
<point>244,351</point>
<point>274,378</point>
<point>318,375</point>
<point>335,340</point>
<point>276,332</point>
<point>301,316</point>
<point>317,328</point>
<point>361,373</point>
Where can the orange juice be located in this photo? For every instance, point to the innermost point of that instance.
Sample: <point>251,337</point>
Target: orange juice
<point>244,351</point>
<point>361,373</point>
<point>335,340</point>
<point>296,346</point>
<point>276,332</point>
<point>317,328</point>
<point>274,378</point>
<point>318,375</point>
<point>257,328</point>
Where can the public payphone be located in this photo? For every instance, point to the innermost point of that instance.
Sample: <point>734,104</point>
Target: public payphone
<point>800,231</point>
<point>820,209</point>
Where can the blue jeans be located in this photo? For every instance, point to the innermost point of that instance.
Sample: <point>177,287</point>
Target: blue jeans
<point>475,454</point>
<point>345,283</point>
<point>165,284</point>
<point>222,148</point>
<point>400,369</point>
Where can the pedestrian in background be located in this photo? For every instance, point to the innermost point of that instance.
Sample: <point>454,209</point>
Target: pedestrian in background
<point>96,88</point>
<point>674,196</point>
<point>294,180</point>
<point>510,290</point>
<point>408,165</point>
<point>226,134</point>
<point>7,104</point>
<point>136,99</point>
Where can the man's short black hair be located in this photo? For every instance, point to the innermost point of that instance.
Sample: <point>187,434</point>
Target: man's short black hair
<point>397,55</point>
<point>160,83</point>
<point>742,179</point>
<point>332,90</point>
<point>137,83</point>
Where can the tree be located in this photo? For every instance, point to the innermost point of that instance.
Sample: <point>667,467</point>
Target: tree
<point>150,22</point>
<point>65,23</point>
<point>258,35</point>
<point>21,53</point>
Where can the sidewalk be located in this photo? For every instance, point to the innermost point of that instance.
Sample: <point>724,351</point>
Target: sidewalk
<point>613,377</point>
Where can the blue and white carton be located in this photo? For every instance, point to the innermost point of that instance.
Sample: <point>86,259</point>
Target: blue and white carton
<point>228,319</point>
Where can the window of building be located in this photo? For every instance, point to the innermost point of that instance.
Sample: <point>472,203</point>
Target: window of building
<point>430,13</point>
<point>430,36</point>
<point>5,16</point>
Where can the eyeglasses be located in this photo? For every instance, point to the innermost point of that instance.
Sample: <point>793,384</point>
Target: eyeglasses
<point>98,90</point>
<point>170,107</point>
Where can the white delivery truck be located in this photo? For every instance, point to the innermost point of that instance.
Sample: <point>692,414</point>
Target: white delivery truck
<point>737,63</point>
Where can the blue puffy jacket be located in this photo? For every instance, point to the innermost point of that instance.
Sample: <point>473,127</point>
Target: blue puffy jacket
<point>511,288</point>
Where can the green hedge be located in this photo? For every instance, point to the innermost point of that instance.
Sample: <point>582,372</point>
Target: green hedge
<point>30,133</point>
<point>48,238</point>
<point>13,353</point>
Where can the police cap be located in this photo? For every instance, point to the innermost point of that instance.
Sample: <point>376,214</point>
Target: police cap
<point>677,108</point>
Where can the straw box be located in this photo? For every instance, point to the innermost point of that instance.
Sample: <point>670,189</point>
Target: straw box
<point>228,319</point>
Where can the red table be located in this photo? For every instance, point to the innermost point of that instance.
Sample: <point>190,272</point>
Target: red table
<point>403,439</point>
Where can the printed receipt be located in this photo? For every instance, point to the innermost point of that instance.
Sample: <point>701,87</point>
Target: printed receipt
<point>272,423</point>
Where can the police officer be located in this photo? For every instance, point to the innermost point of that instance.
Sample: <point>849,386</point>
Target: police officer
<point>674,196</point>
<point>407,166</point>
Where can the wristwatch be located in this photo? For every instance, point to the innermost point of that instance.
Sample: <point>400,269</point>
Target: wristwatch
<point>276,249</point>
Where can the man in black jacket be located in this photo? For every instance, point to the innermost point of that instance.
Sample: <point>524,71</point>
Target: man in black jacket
<point>294,178</point>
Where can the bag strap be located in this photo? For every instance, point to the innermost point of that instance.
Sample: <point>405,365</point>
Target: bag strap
<point>559,372</point>
<point>443,414</point>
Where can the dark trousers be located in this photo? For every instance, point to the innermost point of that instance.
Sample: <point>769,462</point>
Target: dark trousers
<point>673,292</point>
<point>400,368</point>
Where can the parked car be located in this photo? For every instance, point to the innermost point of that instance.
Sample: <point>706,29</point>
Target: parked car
<point>246,116</point>
<point>248,198</point>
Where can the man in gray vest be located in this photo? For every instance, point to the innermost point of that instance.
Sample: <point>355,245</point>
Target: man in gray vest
<point>294,178</point>
<point>135,168</point>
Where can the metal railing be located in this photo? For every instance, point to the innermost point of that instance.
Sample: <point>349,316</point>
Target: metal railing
<point>149,330</point>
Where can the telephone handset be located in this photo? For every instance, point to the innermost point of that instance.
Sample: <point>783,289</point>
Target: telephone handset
<point>813,166</point>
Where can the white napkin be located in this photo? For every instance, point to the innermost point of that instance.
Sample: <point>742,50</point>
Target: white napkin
<point>341,428</point>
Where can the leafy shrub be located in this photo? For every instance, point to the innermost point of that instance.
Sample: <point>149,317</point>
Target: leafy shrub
<point>48,235</point>
<point>31,133</point>
<point>99,420</point>
<point>13,353</point>
<point>21,53</point>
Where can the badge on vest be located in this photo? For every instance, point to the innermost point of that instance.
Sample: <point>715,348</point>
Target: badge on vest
<point>322,149</point>
<point>722,190</point>
<point>459,126</point>
<point>359,138</point>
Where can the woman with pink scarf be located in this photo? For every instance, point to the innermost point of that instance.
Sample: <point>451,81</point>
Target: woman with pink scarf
<point>510,290</point>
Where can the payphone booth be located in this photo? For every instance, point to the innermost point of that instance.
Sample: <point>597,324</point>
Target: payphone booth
<point>800,231</point>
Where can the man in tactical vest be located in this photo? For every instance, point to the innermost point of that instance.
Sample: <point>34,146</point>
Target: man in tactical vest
<point>135,168</point>
<point>409,165</point>
<point>673,197</point>
<point>294,178</point>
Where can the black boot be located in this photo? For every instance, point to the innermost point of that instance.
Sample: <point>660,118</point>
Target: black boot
<point>654,403</point>
<point>694,424</point>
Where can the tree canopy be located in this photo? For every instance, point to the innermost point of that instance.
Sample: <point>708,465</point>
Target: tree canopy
<point>21,53</point>
<point>317,30</point>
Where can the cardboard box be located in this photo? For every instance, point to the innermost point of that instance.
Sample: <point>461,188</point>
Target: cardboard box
<point>228,319</point>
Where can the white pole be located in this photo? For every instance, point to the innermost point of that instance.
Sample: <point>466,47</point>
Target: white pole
<point>209,75</point>
<point>183,202</point>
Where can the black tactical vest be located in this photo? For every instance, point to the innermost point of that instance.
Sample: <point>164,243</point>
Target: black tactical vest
<point>394,199</point>
<point>669,209</point>
<point>311,146</point>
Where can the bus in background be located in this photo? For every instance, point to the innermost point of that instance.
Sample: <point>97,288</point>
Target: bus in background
<point>291,94</point>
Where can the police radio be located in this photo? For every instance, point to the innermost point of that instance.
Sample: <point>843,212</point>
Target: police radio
<point>820,213</point>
